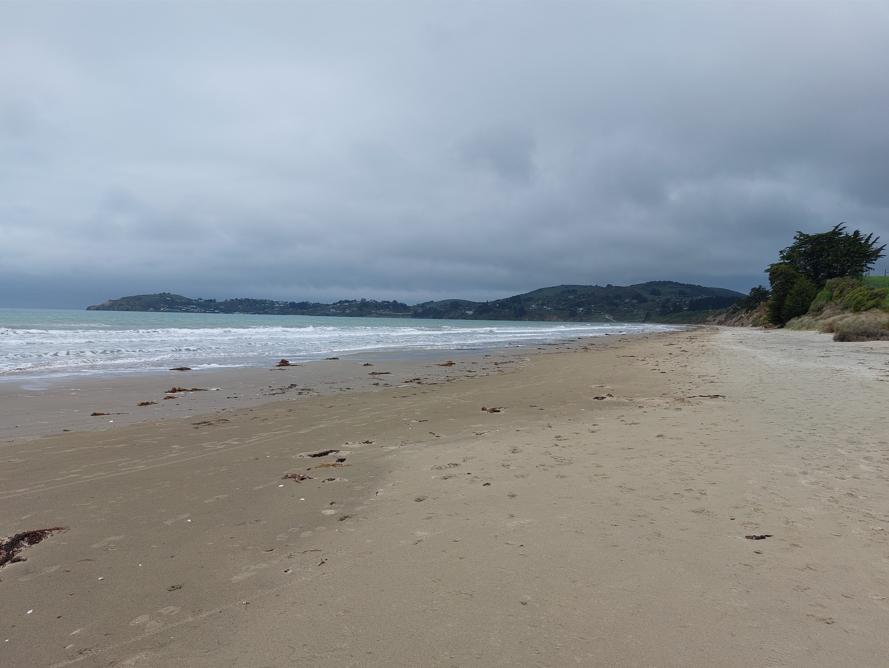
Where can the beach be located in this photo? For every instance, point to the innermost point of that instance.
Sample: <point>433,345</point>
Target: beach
<point>715,496</point>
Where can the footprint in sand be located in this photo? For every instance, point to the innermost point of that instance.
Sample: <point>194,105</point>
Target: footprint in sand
<point>107,542</point>
<point>151,625</point>
<point>247,572</point>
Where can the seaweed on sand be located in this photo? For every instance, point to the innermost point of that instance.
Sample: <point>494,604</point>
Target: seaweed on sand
<point>12,546</point>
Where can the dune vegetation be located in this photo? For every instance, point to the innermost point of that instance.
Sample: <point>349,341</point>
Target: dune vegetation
<point>820,283</point>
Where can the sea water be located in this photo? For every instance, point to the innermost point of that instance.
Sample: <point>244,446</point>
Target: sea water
<point>48,342</point>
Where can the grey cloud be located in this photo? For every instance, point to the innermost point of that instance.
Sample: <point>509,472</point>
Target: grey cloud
<point>507,153</point>
<point>412,151</point>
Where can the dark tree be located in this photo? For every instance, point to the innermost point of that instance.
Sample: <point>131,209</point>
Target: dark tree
<point>799,299</point>
<point>792,293</point>
<point>757,296</point>
<point>832,254</point>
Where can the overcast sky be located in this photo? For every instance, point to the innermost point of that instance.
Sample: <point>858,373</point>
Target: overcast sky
<point>416,150</point>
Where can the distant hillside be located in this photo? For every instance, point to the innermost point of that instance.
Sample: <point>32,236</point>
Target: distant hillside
<point>167,302</point>
<point>656,301</point>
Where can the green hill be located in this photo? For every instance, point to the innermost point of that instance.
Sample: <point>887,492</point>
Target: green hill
<point>168,302</point>
<point>656,301</point>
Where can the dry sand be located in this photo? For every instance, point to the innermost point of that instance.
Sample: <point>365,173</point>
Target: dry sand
<point>598,519</point>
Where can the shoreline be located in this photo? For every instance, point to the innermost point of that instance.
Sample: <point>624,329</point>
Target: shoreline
<point>40,350</point>
<point>32,408</point>
<point>598,516</point>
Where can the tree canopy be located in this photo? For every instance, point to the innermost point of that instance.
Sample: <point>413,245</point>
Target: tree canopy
<point>832,254</point>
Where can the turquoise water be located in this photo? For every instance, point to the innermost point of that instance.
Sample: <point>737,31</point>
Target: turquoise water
<point>53,342</point>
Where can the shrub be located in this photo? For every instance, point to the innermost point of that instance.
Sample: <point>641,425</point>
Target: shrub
<point>792,293</point>
<point>833,292</point>
<point>799,299</point>
<point>861,331</point>
<point>864,298</point>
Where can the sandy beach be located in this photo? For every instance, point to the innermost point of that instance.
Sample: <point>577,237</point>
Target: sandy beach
<point>707,497</point>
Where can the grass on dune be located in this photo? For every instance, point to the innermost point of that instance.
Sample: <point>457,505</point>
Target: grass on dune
<point>870,325</point>
<point>850,308</point>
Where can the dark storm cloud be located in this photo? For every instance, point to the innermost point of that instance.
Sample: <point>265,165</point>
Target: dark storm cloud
<point>412,150</point>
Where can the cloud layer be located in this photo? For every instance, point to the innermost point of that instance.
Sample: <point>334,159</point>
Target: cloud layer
<point>419,150</point>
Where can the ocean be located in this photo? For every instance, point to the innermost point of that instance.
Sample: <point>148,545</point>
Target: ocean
<point>52,343</point>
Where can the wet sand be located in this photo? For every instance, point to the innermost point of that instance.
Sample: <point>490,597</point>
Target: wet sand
<point>36,407</point>
<point>598,515</point>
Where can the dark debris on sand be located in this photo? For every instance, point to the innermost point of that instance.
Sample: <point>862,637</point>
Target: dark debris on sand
<point>297,477</point>
<point>321,453</point>
<point>12,546</point>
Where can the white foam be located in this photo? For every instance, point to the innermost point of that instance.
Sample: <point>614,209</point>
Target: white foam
<point>103,348</point>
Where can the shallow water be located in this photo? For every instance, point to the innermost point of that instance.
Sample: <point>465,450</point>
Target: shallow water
<point>62,342</point>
